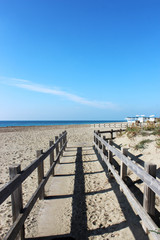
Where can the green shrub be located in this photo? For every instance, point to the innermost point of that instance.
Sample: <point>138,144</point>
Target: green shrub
<point>132,131</point>
<point>141,145</point>
<point>150,126</point>
<point>144,133</point>
<point>158,143</point>
<point>156,131</point>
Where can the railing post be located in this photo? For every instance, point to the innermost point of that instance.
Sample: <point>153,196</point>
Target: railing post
<point>103,146</point>
<point>60,145</point>
<point>94,137</point>
<point>111,133</point>
<point>40,174</point>
<point>97,139</point>
<point>149,195</point>
<point>110,155</point>
<point>60,135</point>
<point>123,172</point>
<point>51,143</point>
<point>65,140</point>
<point>57,146</point>
<point>123,168</point>
<point>16,199</point>
<point>99,143</point>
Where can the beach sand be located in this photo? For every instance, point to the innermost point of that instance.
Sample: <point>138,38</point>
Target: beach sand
<point>108,213</point>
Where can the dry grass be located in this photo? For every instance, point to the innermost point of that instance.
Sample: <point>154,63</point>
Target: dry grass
<point>142,144</point>
<point>132,131</point>
<point>158,143</point>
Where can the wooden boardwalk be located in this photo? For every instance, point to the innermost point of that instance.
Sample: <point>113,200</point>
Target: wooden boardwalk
<point>82,203</point>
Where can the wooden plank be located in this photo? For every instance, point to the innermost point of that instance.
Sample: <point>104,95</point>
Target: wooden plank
<point>60,144</point>
<point>57,147</point>
<point>110,155</point>
<point>151,182</point>
<point>110,131</point>
<point>40,171</point>
<point>147,220</point>
<point>16,199</point>
<point>11,235</point>
<point>7,190</point>
<point>51,143</point>
<point>103,146</point>
<point>123,172</point>
<point>99,142</point>
<point>60,141</point>
<point>149,195</point>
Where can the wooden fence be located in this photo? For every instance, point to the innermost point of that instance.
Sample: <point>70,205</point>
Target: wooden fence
<point>119,125</point>
<point>111,132</point>
<point>14,187</point>
<point>152,186</point>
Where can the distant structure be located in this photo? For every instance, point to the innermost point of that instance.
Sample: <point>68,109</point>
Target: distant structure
<point>141,119</point>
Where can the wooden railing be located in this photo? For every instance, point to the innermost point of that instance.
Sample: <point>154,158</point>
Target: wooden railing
<point>152,186</point>
<point>14,187</point>
<point>119,125</point>
<point>111,132</point>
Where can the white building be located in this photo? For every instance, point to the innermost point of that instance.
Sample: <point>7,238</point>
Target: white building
<point>141,119</point>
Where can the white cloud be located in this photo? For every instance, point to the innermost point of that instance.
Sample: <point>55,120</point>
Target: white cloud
<point>25,84</point>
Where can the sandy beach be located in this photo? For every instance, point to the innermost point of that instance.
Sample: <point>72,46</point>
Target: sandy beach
<point>108,214</point>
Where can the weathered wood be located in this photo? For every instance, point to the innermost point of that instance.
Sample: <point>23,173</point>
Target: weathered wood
<point>27,209</point>
<point>97,138</point>
<point>110,155</point>
<point>99,142</point>
<point>16,199</point>
<point>40,170</point>
<point>104,148</point>
<point>123,172</point>
<point>149,195</point>
<point>57,146</point>
<point>63,139</point>
<point>60,141</point>
<point>147,220</point>
<point>51,143</point>
<point>111,133</point>
<point>123,168</point>
<point>60,145</point>
<point>94,137</point>
<point>144,176</point>
<point>7,190</point>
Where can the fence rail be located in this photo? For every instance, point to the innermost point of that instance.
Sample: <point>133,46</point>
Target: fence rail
<point>12,188</point>
<point>111,125</point>
<point>111,132</point>
<point>150,181</point>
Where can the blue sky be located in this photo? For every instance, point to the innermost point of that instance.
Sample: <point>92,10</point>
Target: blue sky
<point>80,60</point>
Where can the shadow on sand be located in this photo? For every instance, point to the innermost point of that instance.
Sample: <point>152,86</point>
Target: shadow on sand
<point>79,227</point>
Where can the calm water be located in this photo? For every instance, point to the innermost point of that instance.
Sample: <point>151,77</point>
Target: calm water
<point>45,123</point>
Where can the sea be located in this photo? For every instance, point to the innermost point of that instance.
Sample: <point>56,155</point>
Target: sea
<point>50,123</point>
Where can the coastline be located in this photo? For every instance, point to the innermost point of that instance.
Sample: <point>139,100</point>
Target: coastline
<point>46,127</point>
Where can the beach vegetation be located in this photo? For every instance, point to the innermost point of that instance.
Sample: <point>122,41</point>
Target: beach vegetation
<point>120,134</point>
<point>156,130</point>
<point>142,144</point>
<point>144,133</point>
<point>158,143</point>
<point>150,126</point>
<point>132,131</point>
